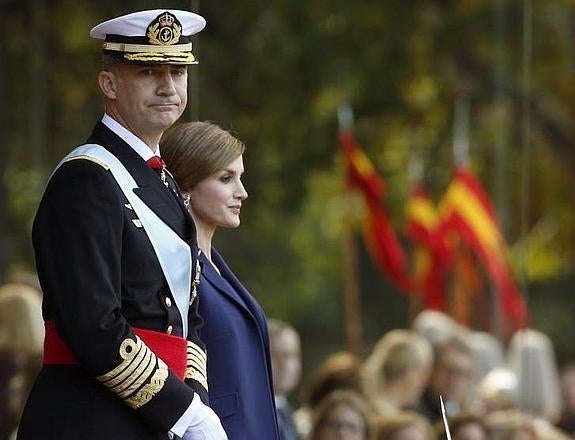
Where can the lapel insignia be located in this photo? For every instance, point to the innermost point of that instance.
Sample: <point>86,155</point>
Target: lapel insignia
<point>127,205</point>
<point>137,223</point>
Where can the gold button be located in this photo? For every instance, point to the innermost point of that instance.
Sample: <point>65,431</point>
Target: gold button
<point>168,301</point>
<point>170,329</point>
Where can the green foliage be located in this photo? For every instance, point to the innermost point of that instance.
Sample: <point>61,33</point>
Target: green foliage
<point>275,74</point>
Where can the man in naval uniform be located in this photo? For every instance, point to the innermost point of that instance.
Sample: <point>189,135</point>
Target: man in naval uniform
<point>116,257</point>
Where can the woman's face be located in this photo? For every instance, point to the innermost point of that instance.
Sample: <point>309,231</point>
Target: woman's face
<point>470,431</point>
<point>217,200</point>
<point>342,423</point>
<point>412,432</point>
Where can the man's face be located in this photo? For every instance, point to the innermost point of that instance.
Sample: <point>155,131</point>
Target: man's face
<point>452,374</point>
<point>147,99</point>
<point>286,361</point>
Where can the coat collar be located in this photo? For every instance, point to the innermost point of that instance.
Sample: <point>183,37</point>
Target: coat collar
<point>227,279</point>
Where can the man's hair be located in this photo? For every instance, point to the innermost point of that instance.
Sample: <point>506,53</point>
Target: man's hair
<point>109,62</point>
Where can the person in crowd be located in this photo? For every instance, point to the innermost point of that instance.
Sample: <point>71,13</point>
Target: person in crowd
<point>341,370</point>
<point>207,162</point>
<point>397,370</point>
<point>285,348</point>
<point>451,378</point>
<point>115,257</point>
<point>435,326</point>
<point>21,340</point>
<point>488,354</point>
<point>567,389</point>
<point>403,425</point>
<point>342,415</point>
<point>531,357</point>
<point>497,391</point>
<point>464,426</point>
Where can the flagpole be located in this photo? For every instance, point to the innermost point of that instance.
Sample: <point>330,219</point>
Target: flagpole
<point>352,302</point>
<point>461,132</point>
<point>415,175</point>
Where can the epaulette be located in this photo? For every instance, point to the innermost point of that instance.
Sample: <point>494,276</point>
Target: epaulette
<point>90,158</point>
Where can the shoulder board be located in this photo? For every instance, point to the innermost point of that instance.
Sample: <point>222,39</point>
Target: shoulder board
<point>90,158</point>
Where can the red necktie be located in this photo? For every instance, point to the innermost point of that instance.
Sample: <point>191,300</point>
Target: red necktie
<point>156,162</point>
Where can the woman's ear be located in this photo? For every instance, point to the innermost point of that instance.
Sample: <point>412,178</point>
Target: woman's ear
<point>108,82</point>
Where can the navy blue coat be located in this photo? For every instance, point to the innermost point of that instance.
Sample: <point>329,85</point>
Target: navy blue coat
<point>239,367</point>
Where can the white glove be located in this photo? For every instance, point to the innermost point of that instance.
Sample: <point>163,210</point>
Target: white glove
<point>205,424</point>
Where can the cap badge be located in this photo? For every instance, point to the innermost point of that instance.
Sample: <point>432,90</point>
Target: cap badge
<point>165,30</point>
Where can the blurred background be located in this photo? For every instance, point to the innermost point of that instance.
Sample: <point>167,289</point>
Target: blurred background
<point>425,81</point>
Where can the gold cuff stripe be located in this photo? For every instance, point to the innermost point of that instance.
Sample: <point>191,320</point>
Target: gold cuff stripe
<point>91,159</point>
<point>140,364</point>
<point>142,48</point>
<point>121,382</point>
<point>132,360</point>
<point>196,357</point>
<point>193,374</point>
<point>143,374</point>
<point>149,390</point>
<point>196,374</point>
<point>192,348</point>
<point>197,363</point>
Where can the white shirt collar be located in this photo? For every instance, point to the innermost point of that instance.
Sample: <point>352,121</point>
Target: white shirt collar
<point>130,138</point>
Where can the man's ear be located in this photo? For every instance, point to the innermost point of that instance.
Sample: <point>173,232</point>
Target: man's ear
<point>108,82</point>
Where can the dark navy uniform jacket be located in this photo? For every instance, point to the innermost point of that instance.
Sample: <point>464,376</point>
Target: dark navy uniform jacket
<point>239,366</point>
<point>101,278</point>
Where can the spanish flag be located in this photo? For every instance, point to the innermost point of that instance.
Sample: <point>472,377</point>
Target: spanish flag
<point>431,253</point>
<point>379,236</point>
<point>467,211</point>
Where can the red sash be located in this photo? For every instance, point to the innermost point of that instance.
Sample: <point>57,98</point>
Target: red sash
<point>171,349</point>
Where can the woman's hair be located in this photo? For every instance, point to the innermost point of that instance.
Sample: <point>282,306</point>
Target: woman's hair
<point>348,398</point>
<point>340,370</point>
<point>196,150</point>
<point>459,422</point>
<point>396,352</point>
<point>390,426</point>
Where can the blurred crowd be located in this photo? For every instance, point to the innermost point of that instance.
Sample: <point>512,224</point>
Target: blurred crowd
<point>488,390</point>
<point>412,382</point>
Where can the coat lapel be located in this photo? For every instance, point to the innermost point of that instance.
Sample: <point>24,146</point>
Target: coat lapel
<point>237,292</point>
<point>151,189</point>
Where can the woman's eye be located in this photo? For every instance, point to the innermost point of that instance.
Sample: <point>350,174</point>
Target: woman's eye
<point>226,178</point>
